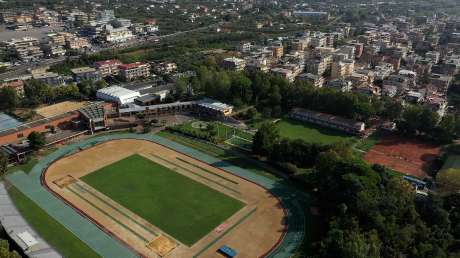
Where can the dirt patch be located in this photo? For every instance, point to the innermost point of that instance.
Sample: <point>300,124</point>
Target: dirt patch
<point>60,108</point>
<point>409,156</point>
<point>162,245</point>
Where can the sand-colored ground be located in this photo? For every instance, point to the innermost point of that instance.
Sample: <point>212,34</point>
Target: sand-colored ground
<point>60,108</point>
<point>252,231</point>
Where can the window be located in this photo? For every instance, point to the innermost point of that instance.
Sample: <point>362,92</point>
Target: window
<point>20,135</point>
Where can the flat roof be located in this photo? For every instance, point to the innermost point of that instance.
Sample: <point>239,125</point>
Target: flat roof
<point>84,69</point>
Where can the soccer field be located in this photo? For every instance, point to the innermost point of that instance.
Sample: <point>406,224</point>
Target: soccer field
<point>182,207</point>
<point>310,132</point>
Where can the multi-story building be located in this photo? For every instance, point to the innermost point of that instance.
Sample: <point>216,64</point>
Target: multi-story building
<point>342,69</point>
<point>245,47</point>
<point>318,41</point>
<point>54,50</point>
<point>318,65</point>
<point>49,78</point>
<point>278,49</point>
<point>284,73</point>
<point>85,73</point>
<point>233,63</point>
<point>26,49</point>
<point>108,67</point>
<point>340,85</point>
<point>134,70</point>
<point>441,82</point>
<point>77,43</point>
<point>116,35</point>
<point>57,39</point>
<point>316,80</point>
<point>166,67</point>
<point>257,64</point>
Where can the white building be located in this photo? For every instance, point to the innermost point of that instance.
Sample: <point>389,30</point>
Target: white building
<point>117,35</point>
<point>117,94</point>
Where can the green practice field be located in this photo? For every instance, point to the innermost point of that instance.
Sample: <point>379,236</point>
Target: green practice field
<point>185,209</point>
<point>310,132</point>
<point>224,132</point>
<point>49,229</point>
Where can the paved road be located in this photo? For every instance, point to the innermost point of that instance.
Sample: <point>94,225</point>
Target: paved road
<point>22,69</point>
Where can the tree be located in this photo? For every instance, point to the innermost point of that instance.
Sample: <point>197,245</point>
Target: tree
<point>392,109</point>
<point>3,163</point>
<point>5,250</point>
<point>448,181</point>
<point>9,98</point>
<point>36,140</point>
<point>240,88</point>
<point>265,138</point>
<point>181,87</point>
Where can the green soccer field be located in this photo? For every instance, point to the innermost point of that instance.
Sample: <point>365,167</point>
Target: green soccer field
<point>180,206</point>
<point>310,132</point>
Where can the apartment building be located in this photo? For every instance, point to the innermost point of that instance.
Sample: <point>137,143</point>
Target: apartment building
<point>316,80</point>
<point>26,48</point>
<point>49,78</point>
<point>85,73</point>
<point>284,73</point>
<point>116,35</point>
<point>342,69</point>
<point>134,70</point>
<point>108,67</point>
<point>77,43</point>
<point>233,63</point>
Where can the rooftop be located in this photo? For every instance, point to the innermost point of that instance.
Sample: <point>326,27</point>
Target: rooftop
<point>84,69</point>
<point>108,62</point>
<point>131,66</point>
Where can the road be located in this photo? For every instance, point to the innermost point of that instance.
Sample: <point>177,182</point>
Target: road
<point>22,69</point>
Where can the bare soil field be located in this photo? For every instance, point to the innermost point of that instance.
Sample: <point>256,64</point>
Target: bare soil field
<point>409,156</point>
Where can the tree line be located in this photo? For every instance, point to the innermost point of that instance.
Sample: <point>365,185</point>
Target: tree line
<point>274,96</point>
<point>37,92</point>
<point>365,211</point>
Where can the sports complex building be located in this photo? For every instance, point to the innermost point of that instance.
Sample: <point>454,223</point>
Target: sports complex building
<point>339,123</point>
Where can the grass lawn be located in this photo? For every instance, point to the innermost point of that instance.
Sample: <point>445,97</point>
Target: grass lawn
<point>31,161</point>
<point>224,132</point>
<point>178,205</point>
<point>365,144</point>
<point>452,162</point>
<point>26,167</point>
<point>66,243</point>
<point>238,159</point>
<point>310,132</point>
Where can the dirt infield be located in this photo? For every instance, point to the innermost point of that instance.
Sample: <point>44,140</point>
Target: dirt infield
<point>60,108</point>
<point>409,156</point>
<point>252,231</point>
